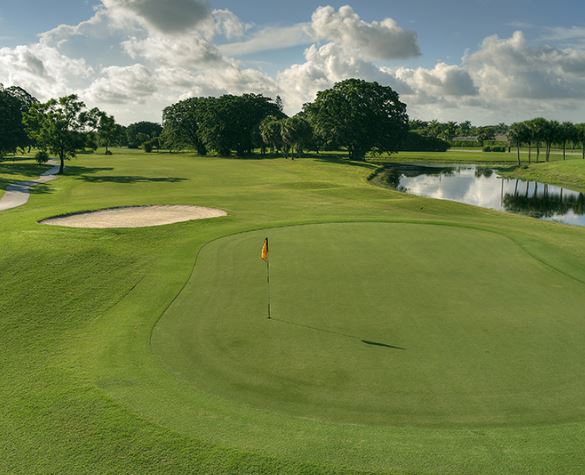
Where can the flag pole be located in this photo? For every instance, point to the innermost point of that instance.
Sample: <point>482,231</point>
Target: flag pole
<point>268,282</point>
<point>264,255</point>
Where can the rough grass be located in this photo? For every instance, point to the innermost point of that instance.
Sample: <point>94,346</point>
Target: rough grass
<point>84,392</point>
<point>569,173</point>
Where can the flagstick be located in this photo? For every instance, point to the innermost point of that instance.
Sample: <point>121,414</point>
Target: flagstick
<point>268,282</point>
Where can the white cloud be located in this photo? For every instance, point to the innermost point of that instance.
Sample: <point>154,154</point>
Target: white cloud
<point>60,34</point>
<point>442,80</point>
<point>325,66</point>
<point>270,38</point>
<point>376,40</point>
<point>510,69</point>
<point>42,70</point>
<point>565,34</point>
<point>146,54</point>
<point>227,24</point>
<point>168,16</point>
<point>185,50</point>
<point>122,85</point>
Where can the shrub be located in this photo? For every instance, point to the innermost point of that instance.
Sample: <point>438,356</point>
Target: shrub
<point>108,152</point>
<point>413,142</point>
<point>494,148</point>
<point>465,144</point>
<point>147,146</point>
<point>42,156</point>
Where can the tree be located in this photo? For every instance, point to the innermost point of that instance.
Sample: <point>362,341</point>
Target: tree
<point>539,128</point>
<point>104,126</point>
<point>449,131</point>
<point>465,128</point>
<point>552,134</point>
<point>296,134</point>
<point>58,126</point>
<point>360,115</point>
<point>14,102</point>
<point>140,132</point>
<point>233,122</point>
<point>567,133</point>
<point>486,133</point>
<point>271,133</point>
<point>181,125</point>
<point>580,137</point>
<point>518,133</point>
<point>10,123</point>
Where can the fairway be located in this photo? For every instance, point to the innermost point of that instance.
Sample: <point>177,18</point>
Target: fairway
<point>408,334</point>
<point>381,324</point>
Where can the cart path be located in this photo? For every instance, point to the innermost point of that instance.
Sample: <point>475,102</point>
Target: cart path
<point>18,194</point>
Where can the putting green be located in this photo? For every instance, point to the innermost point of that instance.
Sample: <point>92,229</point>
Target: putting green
<point>381,324</point>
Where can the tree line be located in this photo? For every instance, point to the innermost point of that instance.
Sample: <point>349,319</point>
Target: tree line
<point>538,133</point>
<point>358,116</point>
<point>452,131</point>
<point>355,115</point>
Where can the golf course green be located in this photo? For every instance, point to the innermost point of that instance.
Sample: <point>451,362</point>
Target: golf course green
<point>408,335</point>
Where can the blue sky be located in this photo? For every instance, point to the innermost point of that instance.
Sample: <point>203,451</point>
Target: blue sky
<point>487,60</point>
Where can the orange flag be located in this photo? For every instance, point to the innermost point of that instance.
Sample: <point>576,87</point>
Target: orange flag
<point>264,253</point>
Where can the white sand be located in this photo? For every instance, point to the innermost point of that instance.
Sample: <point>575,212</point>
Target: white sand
<point>135,217</point>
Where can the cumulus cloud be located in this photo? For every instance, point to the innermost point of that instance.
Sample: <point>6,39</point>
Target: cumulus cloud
<point>122,85</point>
<point>270,38</point>
<point>510,68</point>
<point>325,66</point>
<point>228,25</point>
<point>43,70</point>
<point>442,80</point>
<point>168,16</point>
<point>352,45</point>
<point>191,51</point>
<point>376,40</point>
<point>61,33</point>
<point>151,53</point>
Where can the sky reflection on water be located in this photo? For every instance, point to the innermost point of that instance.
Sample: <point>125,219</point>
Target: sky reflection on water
<point>483,187</point>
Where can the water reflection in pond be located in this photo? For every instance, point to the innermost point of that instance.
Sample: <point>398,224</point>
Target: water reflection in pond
<point>483,187</point>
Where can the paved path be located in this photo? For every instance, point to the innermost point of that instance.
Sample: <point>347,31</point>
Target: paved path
<point>18,194</point>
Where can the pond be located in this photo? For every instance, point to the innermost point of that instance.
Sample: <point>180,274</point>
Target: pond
<point>480,186</point>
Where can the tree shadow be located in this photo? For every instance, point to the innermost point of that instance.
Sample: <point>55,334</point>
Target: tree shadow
<point>333,332</point>
<point>30,186</point>
<point>129,179</point>
<point>24,169</point>
<point>87,174</point>
<point>344,160</point>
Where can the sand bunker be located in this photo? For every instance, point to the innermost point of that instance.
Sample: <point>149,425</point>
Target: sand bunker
<point>134,217</point>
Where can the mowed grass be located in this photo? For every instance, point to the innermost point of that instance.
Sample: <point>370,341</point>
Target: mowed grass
<point>469,156</point>
<point>149,351</point>
<point>442,341</point>
<point>569,173</point>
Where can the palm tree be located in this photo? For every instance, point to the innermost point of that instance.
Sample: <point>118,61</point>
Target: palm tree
<point>567,133</point>
<point>539,130</point>
<point>518,133</point>
<point>531,131</point>
<point>271,133</point>
<point>552,134</point>
<point>296,134</point>
<point>580,136</point>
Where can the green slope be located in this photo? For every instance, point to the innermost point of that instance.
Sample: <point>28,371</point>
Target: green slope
<point>90,384</point>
